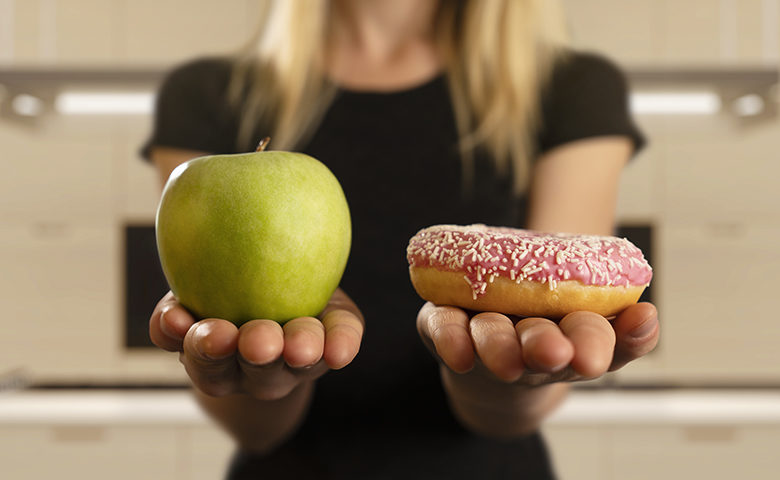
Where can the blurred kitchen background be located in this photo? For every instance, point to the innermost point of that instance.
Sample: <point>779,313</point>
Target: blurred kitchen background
<point>82,396</point>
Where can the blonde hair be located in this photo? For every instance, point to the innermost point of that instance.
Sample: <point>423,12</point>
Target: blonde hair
<point>498,55</point>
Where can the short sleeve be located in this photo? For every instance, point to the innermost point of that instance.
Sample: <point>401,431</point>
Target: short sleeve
<point>192,110</point>
<point>587,97</point>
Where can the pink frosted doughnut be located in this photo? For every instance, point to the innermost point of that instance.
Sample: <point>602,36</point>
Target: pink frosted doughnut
<point>526,273</point>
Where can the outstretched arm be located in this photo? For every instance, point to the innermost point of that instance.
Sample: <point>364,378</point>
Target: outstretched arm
<point>503,378</point>
<point>256,380</point>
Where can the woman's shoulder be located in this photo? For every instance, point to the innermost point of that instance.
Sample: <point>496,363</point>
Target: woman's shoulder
<point>575,67</point>
<point>201,71</point>
<point>192,110</point>
<point>587,96</point>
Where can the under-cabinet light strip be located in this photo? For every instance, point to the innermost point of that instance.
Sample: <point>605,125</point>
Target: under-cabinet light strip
<point>140,103</point>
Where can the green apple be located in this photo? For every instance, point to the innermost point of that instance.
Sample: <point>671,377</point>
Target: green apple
<point>262,235</point>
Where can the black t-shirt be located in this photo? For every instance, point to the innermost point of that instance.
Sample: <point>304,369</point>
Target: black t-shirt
<point>395,154</point>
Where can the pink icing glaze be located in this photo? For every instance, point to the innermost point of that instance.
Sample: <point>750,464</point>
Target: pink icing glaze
<point>483,253</point>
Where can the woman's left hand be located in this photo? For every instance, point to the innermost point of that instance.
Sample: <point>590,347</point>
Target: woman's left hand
<point>537,351</point>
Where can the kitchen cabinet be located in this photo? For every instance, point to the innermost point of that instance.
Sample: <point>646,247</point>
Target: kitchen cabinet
<point>693,32</point>
<point>716,304</point>
<point>214,464</point>
<point>640,189</point>
<point>154,31</point>
<point>59,322</point>
<point>594,435</point>
<point>609,26</point>
<point>614,452</point>
<point>117,434</point>
<point>578,452</point>
<point>61,302</point>
<point>62,173</point>
<point>139,186</point>
<point>90,451</point>
<point>119,452</point>
<point>56,32</point>
<point>693,451</point>
<point>73,33</point>
<point>729,178</point>
<point>673,433</point>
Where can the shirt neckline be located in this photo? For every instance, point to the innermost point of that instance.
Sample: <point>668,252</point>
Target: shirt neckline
<point>422,86</point>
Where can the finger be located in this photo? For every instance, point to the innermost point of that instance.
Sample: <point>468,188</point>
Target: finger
<point>264,374</point>
<point>636,331</point>
<point>209,356</point>
<point>169,324</point>
<point>497,345</point>
<point>343,335</point>
<point>545,347</point>
<point>445,330</point>
<point>594,342</point>
<point>304,341</point>
<point>260,342</point>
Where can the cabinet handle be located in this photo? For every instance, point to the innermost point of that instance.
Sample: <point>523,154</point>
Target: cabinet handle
<point>710,434</point>
<point>727,229</point>
<point>78,434</point>
<point>49,230</point>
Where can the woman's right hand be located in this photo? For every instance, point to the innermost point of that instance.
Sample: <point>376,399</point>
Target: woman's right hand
<point>262,358</point>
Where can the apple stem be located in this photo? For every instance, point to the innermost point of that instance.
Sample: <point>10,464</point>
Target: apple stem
<point>263,143</point>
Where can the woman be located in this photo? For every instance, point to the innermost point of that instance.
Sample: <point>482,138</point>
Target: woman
<point>428,112</point>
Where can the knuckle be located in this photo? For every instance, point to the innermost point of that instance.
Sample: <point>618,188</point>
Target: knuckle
<point>214,388</point>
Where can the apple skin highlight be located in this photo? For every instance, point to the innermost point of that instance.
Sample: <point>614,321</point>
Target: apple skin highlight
<point>263,235</point>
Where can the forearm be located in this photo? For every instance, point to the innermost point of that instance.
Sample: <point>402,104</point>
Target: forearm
<point>259,425</point>
<point>489,407</point>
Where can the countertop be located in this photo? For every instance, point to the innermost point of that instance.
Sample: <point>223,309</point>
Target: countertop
<point>583,407</point>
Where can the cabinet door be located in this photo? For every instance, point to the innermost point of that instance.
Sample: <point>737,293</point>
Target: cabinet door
<point>60,172</point>
<point>88,451</point>
<point>640,188</point>
<point>712,452</point>
<point>577,452</point>
<point>139,187</point>
<point>61,32</point>
<point>172,30</point>
<point>692,31</point>
<point>723,174</point>
<point>60,300</point>
<point>208,438</point>
<point>626,31</point>
<point>84,31</point>
<point>703,32</point>
<point>717,294</point>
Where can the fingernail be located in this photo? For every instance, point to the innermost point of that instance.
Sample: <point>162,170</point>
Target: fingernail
<point>645,328</point>
<point>200,337</point>
<point>164,323</point>
<point>557,368</point>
